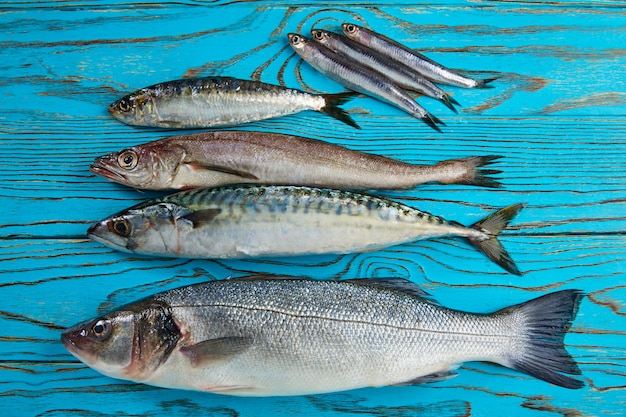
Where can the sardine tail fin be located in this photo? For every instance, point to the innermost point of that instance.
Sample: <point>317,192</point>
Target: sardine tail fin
<point>450,102</point>
<point>485,83</point>
<point>433,121</point>
<point>546,320</point>
<point>492,225</point>
<point>333,101</point>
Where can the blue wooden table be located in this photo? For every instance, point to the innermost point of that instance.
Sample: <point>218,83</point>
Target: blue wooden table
<point>556,114</point>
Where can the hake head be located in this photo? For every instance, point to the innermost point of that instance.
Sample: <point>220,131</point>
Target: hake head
<point>129,343</point>
<point>151,166</point>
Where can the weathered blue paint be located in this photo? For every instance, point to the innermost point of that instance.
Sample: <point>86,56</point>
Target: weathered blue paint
<point>556,113</point>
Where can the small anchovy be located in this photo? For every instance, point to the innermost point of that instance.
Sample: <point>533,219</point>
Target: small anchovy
<point>211,159</point>
<point>359,78</point>
<point>220,101</point>
<point>399,73</point>
<point>266,336</point>
<point>245,221</point>
<point>418,62</point>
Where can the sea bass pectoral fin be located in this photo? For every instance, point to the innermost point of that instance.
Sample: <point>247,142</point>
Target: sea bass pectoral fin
<point>492,225</point>
<point>219,349</point>
<point>544,321</point>
<point>201,217</point>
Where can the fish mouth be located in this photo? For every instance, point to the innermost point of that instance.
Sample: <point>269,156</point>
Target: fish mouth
<point>105,172</point>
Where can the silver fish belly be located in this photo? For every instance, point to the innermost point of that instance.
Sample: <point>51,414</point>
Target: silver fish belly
<point>359,78</point>
<point>267,336</point>
<point>211,159</point>
<point>255,221</point>
<point>399,73</point>
<point>418,62</point>
<point>220,101</point>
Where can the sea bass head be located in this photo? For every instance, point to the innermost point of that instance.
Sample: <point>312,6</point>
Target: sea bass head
<point>150,166</point>
<point>129,343</point>
<point>137,108</point>
<point>149,228</point>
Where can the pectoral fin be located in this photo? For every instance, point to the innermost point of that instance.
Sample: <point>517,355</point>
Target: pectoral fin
<point>200,217</point>
<point>219,349</point>
<point>242,174</point>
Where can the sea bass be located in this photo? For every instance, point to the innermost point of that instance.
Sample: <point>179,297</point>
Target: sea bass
<point>399,73</point>
<point>359,78</point>
<point>244,221</point>
<point>211,159</point>
<point>220,101</point>
<point>264,336</point>
<point>418,62</point>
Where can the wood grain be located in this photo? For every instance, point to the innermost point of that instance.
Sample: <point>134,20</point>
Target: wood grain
<point>555,114</point>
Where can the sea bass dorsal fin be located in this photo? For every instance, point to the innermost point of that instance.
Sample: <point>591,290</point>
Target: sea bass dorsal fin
<point>200,217</point>
<point>198,166</point>
<point>394,284</point>
<point>219,349</point>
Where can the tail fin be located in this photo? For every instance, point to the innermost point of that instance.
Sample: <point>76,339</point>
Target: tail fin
<point>491,247</point>
<point>471,172</point>
<point>544,321</point>
<point>333,101</point>
<point>432,121</point>
<point>485,83</point>
<point>449,102</point>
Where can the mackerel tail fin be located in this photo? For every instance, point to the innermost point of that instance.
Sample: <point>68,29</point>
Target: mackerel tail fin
<point>492,225</point>
<point>543,323</point>
<point>333,101</point>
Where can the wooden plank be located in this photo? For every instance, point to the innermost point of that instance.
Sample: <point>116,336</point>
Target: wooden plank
<point>556,114</point>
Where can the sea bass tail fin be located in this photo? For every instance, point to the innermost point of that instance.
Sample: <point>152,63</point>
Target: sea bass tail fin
<point>333,101</point>
<point>546,320</point>
<point>492,225</point>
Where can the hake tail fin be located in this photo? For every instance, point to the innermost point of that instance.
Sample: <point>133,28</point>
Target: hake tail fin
<point>544,322</point>
<point>333,101</point>
<point>492,225</point>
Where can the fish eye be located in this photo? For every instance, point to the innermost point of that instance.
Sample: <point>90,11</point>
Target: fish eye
<point>120,227</point>
<point>317,34</point>
<point>128,159</point>
<point>101,329</point>
<point>123,104</point>
<point>295,39</point>
<point>350,28</point>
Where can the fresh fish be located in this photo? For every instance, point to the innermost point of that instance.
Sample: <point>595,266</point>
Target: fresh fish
<point>418,62</point>
<point>264,336</point>
<point>359,78</point>
<point>399,73</point>
<point>211,159</point>
<point>253,220</point>
<point>220,101</point>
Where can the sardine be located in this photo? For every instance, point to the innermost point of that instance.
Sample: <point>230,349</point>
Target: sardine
<point>399,73</point>
<point>254,220</point>
<point>264,336</point>
<point>220,101</point>
<point>418,62</point>
<point>359,78</point>
<point>211,159</point>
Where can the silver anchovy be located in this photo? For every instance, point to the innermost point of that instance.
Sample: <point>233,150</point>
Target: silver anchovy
<point>211,159</point>
<point>253,221</point>
<point>418,62</point>
<point>220,101</point>
<point>264,336</point>
<point>359,78</point>
<point>399,73</point>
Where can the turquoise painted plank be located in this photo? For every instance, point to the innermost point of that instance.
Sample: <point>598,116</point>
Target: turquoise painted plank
<point>556,113</point>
